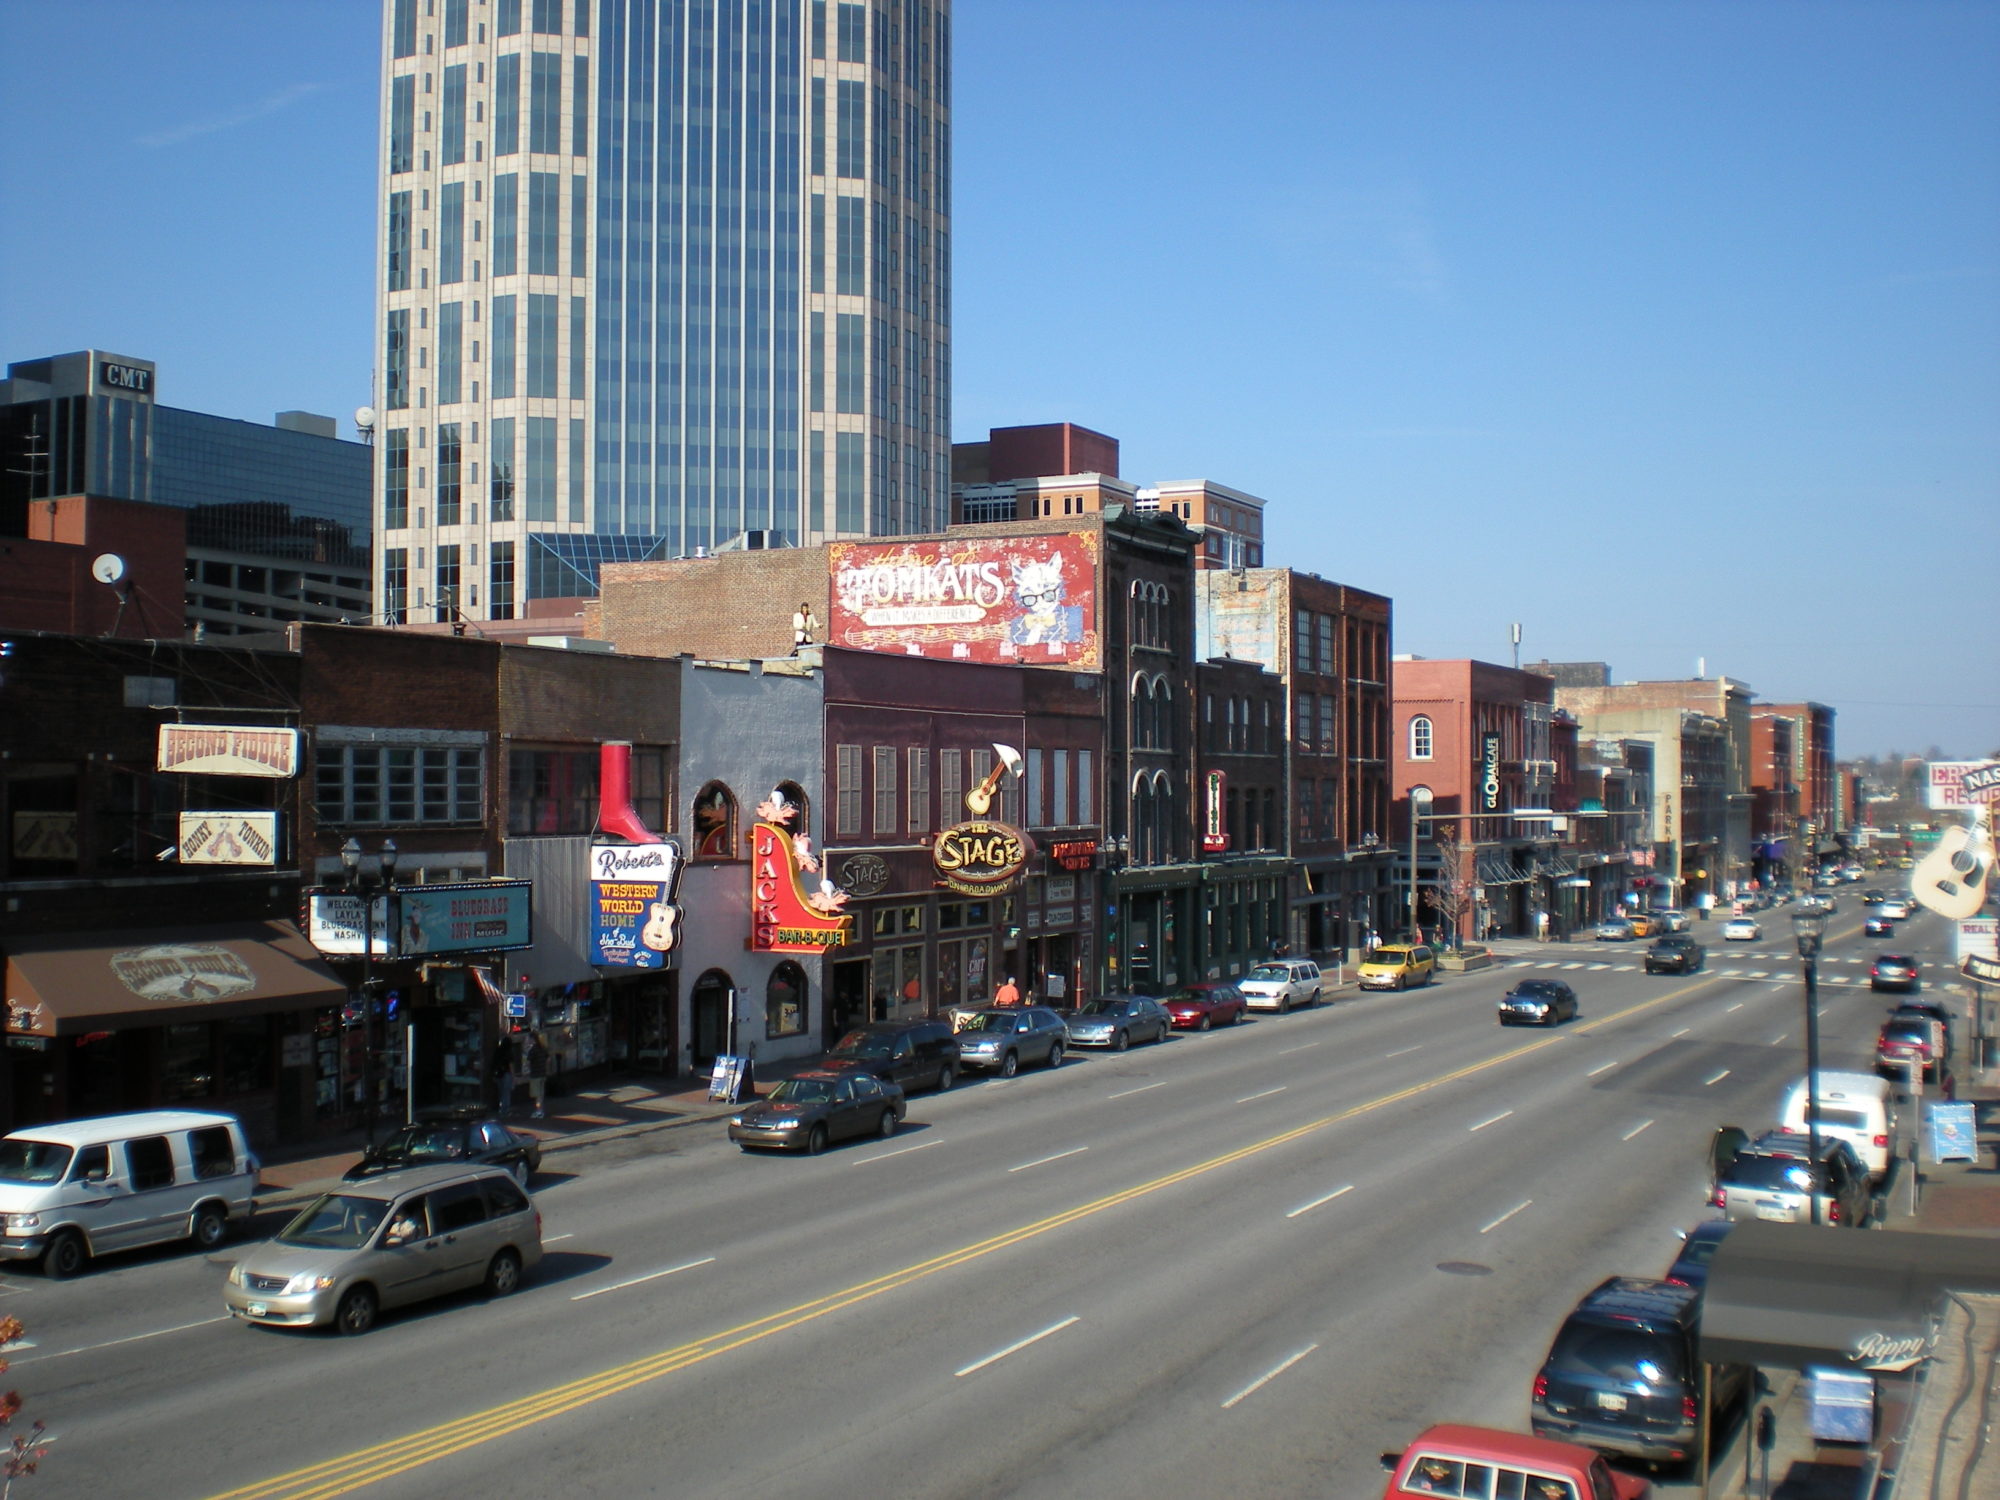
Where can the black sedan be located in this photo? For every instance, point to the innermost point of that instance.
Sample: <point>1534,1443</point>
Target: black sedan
<point>809,1112</point>
<point>1676,953</point>
<point>1540,1002</point>
<point>449,1137</point>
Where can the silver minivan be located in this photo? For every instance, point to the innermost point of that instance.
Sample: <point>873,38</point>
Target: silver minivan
<point>388,1242</point>
<point>80,1188</point>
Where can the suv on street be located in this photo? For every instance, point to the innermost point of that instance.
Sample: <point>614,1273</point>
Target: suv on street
<point>912,1054</point>
<point>1002,1038</point>
<point>1396,966</point>
<point>1676,953</point>
<point>1769,1179</point>
<point>1281,984</point>
<point>1624,1373</point>
<point>1454,1459</point>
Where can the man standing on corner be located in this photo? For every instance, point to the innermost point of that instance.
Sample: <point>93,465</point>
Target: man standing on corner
<point>1008,993</point>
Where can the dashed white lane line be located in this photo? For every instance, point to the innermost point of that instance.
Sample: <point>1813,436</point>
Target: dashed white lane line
<point>619,1286</point>
<point>1572,966</point>
<point>110,1343</point>
<point>1402,1051</point>
<point>1507,1215</point>
<point>555,1237</point>
<point>1711,1082</point>
<point>1265,1094</point>
<point>1736,1007</point>
<point>1599,968</point>
<point>1042,1161</point>
<point>862,1161</point>
<point>1635,1130</point>
<point>1778,1039</point>
<point>1681,1033</point>
<point>1302,1047</point>
<point>1602,1068</point>
<point>1016,1348</point>
<point>1306,1208</point>
<point>1494,1121</point>
<point>1128,1093</point>
<point>1263,1380</point>
<point>1627,968</point>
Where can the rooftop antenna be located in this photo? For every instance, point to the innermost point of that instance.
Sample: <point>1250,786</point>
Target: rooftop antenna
<point>1514,631</point>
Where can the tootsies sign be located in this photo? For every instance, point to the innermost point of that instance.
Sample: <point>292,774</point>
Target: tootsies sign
<point>1489,773</point>
<point>979,857</point>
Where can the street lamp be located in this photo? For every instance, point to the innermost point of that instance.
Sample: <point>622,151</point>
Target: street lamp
<point>1420,799</point>
<point>1809,928</point>
<point>368,885</point>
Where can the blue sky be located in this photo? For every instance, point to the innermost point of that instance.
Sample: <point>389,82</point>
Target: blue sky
<point>1669,330</point>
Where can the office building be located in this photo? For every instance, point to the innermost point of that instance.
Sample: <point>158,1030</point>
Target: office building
<point>656,278</point>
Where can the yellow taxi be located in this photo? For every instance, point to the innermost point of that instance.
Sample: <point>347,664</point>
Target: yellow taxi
<point>1645,924</point>
<point>1396,966</point>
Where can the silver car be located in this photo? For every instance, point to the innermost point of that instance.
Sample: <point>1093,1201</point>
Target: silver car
<point>388,1242</point>
<point>1117,1021</point>
<point>1001,1038</point>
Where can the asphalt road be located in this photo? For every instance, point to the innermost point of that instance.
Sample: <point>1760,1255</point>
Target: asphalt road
<point>1243,1262</point>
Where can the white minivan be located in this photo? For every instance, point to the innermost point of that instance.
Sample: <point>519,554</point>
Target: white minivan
<point>1858,1108</point>
<point>80,1188</point>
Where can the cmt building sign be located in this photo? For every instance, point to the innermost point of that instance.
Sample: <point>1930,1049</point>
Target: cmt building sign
<point>635,922</point>
<point>1015,600</point>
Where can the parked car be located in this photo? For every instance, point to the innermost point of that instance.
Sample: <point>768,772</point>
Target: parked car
<point>1742,930</point>
<point>80,1188</point>
<point>1860,1108</point>
<point>1877,925</point>
<point>1615,930</point>
<point>910,1054</point>
<point>1396,966</point>
<point>1667,919</point>
<point>810,1111</point>
<point>1912,1038</point>
<point>1770,1179</point>
<point>1197,1007</point>
<point>1117,1021</point>
<point>1002,1039</point>
<point>1624,1373</point>
<point>465,1135</point>
<point>1442,1459</point>
<point>1690,1267</point>
<point>1893,971</point>
<point>1676,953</point>
<point>387,1242</point>
<point>1281,984</point>
<point>1540,1002</point>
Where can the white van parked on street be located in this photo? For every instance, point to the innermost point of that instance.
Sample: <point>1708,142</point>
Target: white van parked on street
<point>80,1188</point>
<point>1858,1108</point>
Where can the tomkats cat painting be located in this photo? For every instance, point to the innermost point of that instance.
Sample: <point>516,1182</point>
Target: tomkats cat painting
<point>1029,601</point>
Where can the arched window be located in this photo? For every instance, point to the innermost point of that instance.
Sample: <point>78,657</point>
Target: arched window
<point>785,1002</point>
<point>1163,714</point>
<point>1142,820</point>
<point>795,794</point>
<point>1420,738</point>
<point>1142,711</point>
<point>1166,828</point>
<point>714,822</point>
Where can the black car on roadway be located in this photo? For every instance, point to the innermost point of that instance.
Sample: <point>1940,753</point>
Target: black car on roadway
<point>919,1054</point>
<point>1540,1002</point>
<point>809,1111</point>
<point>464,1135</point>
<point>1676,953</point>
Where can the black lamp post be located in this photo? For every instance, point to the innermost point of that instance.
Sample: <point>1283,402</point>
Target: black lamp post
<point>368,885</point>
<point>1809,928</point>
<point>1420,801</point>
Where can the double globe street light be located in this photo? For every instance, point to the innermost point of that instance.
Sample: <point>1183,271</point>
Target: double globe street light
<point>1809,930</point>
<point>368,885</point>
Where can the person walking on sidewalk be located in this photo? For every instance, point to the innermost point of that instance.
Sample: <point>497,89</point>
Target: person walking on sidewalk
<point>505,1055</point>
<point>538,1071</point>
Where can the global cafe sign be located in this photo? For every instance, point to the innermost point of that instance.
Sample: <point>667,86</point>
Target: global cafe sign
<point>1489,773</point>
<point>979,857</point>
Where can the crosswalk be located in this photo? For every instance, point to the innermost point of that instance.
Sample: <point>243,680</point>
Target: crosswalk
<point>1782,971</point>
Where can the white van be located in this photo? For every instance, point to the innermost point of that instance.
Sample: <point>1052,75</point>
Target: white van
<point>80,1188</point>
<point>1858,1108</point>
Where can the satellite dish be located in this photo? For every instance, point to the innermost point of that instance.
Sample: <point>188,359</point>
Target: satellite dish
<point>107,567</point>
<point>364,418</point>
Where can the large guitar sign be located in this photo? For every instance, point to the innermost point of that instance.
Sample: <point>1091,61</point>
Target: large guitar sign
<point>1951,880</point>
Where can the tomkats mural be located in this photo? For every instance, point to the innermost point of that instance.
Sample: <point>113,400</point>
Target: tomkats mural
<point>1028,600</point>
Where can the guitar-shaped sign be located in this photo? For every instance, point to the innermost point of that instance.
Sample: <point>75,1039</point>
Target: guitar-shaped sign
<point>1951,879</point>
<point>658,933</point>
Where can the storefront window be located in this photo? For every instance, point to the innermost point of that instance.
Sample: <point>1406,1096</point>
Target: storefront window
<point>785,1002</point>
<point>246,1055</point>
<point>188,1064</point>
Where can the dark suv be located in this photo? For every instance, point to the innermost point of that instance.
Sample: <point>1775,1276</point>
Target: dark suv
<point>914,1054</point>
<point>1624,1375</point>
<point>1676,953</point>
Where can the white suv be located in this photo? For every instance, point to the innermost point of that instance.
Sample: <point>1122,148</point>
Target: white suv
<point>1281,984</point>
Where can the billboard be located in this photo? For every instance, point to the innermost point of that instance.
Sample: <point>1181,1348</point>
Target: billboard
<point>487,916</point>
<point>1963,784</point>
<point>223,750</point>
<point>1020,600</point>
<point>634,921</point>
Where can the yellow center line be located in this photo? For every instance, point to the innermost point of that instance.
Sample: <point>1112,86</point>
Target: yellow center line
<point>343,1475</point>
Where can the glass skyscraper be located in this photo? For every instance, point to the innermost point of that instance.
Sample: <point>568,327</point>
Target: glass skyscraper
<point>655,276</point>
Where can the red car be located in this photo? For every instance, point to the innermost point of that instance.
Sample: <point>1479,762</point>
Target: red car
<point>1910,1038</point>
<point>1454,1459</point>
<point>1196,1007</point>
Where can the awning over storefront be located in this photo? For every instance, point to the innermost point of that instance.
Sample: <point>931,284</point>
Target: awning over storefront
<point>1496,867</point>
<point>81,982</point>
<point>1560,864</point>
<point>1792,1295</point>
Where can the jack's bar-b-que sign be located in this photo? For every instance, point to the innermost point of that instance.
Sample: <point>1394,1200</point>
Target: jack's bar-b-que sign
<point>979,857</point>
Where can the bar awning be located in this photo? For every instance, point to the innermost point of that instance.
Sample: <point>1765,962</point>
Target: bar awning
<point>81,982</point>
<point>1792,1295</point>
<point>1496,867</point>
